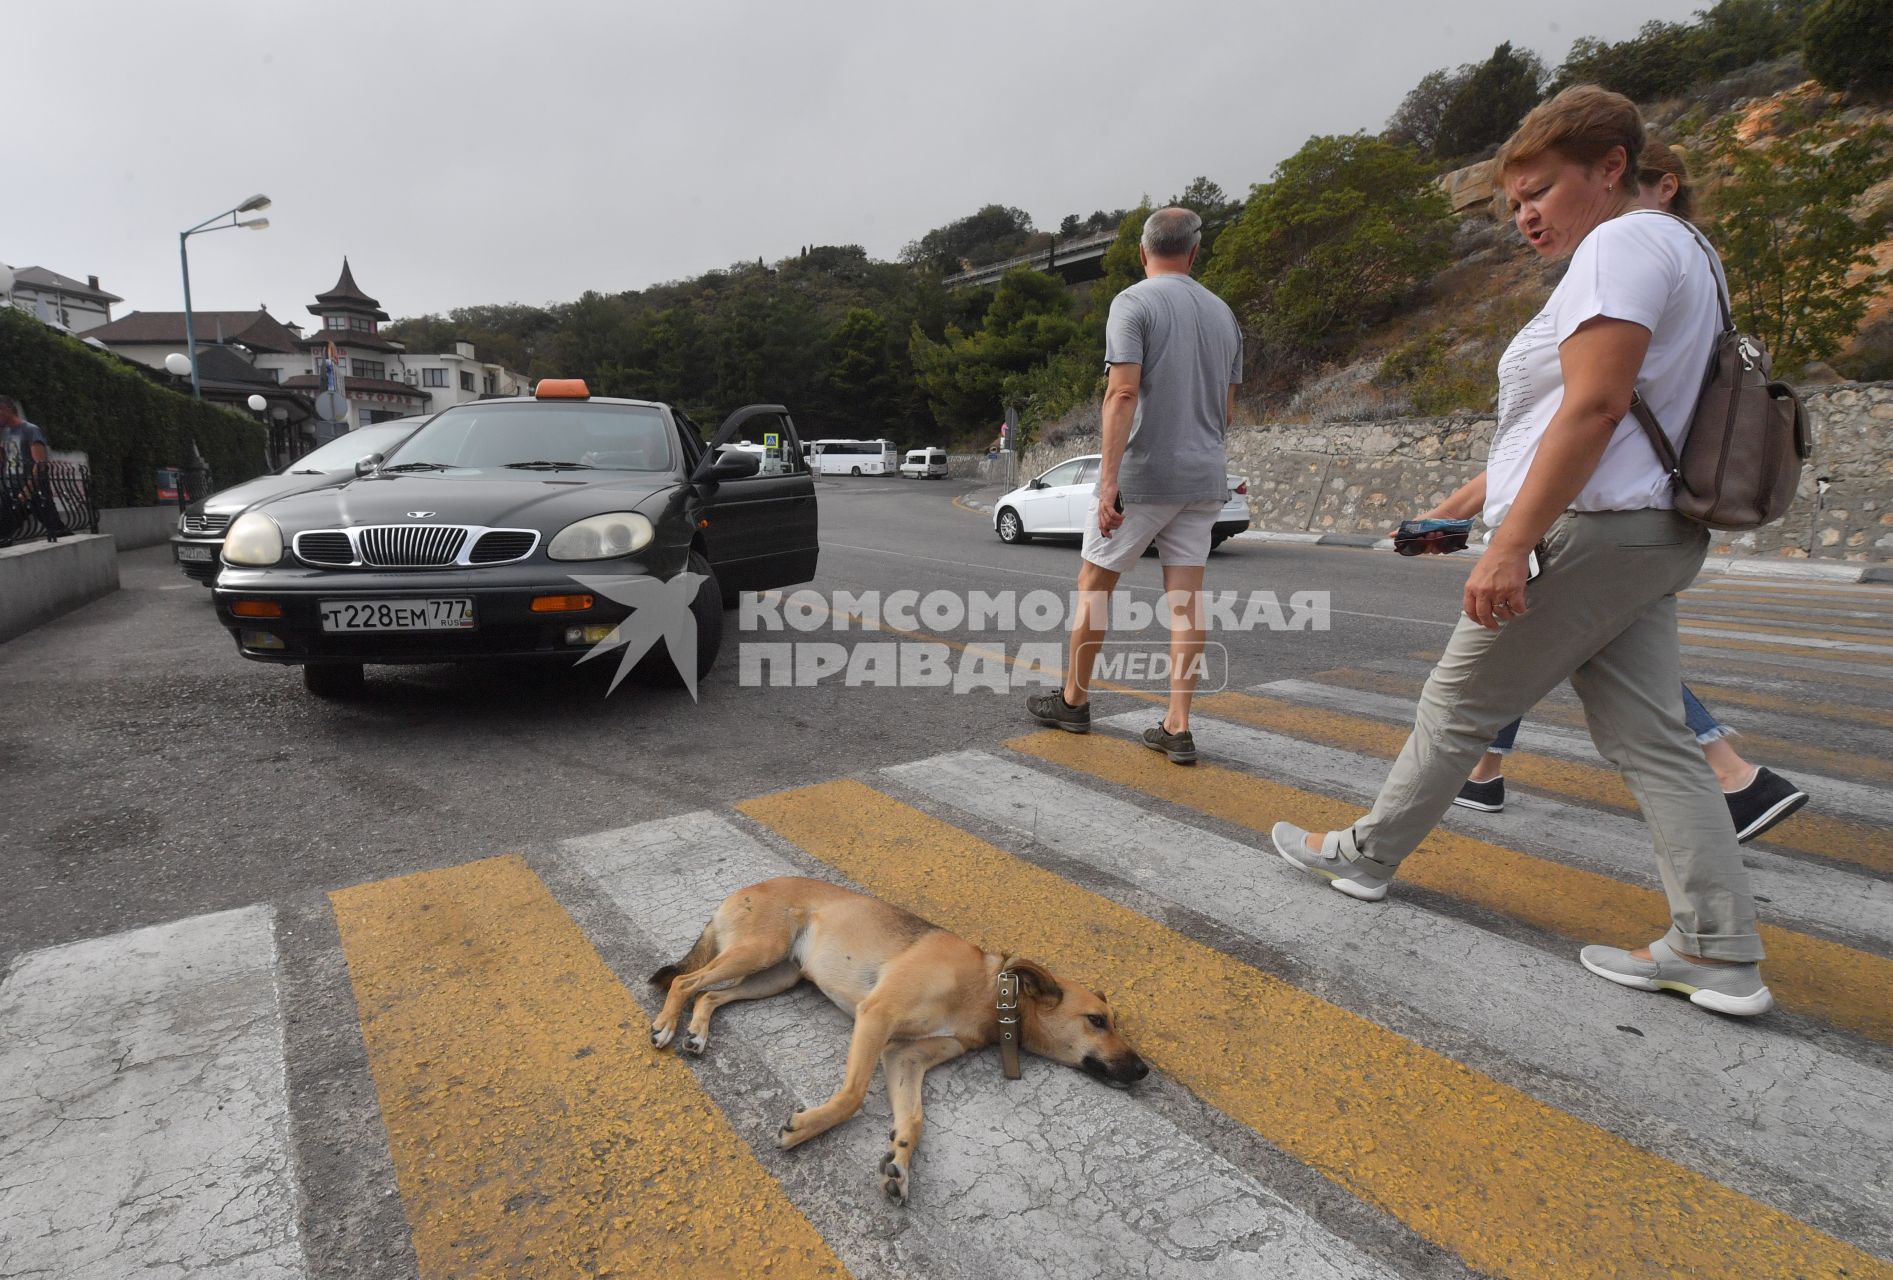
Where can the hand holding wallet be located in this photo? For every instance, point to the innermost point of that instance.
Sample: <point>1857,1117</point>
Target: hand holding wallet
<point>1431,537</point>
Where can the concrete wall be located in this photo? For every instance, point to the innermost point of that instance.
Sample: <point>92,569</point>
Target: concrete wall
<point>41,580</point>
<point>139,526</point>
<point>1365,477</point>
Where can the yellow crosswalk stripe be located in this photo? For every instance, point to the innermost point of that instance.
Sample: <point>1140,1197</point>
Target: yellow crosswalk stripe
<point>1760,747</point>
<point>1819,834</point>
<point>1511,1185</point>
<point>1756,593</point>
<point>1789,632</point>
<point>1826,681</point>
<point>1835,983</point>
<point>534,1130</point>
<point>1816,712</point>
<point>1698,638</point>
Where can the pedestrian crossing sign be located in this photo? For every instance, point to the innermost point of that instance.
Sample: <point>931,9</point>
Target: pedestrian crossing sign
<point>772,440</point>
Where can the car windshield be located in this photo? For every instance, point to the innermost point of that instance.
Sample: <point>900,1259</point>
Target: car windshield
<point>529,436</point>
<point>344,452</point>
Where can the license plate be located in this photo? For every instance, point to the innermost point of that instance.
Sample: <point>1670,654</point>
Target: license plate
<point>200,554</point>
<point>397,615</point>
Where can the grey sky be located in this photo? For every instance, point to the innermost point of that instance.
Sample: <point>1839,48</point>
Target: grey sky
<point>478,151</point>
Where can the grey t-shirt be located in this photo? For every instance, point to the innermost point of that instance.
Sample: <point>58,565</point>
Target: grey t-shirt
<point>1190,346</point>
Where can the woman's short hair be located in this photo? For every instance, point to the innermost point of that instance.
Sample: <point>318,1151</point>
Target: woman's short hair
<point>1581,124</point>
<point>1657,161</point>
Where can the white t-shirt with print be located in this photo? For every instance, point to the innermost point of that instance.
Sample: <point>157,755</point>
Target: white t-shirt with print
<point>1644,267</point>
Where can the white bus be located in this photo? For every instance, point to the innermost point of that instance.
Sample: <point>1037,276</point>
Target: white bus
<point>854,458</point>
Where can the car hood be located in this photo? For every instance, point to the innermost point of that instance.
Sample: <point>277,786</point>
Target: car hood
<point>239,496</point>
<point>547,502</point>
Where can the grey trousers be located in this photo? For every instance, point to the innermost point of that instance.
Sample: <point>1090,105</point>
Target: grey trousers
<point>1603,614</point>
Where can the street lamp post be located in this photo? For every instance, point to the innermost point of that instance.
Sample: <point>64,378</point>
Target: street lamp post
<point>251,205</point>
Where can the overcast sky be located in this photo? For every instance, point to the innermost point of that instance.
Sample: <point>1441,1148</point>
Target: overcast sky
<point>475,151</point>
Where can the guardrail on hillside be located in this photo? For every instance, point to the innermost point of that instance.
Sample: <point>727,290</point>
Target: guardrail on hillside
<point>49,501</point>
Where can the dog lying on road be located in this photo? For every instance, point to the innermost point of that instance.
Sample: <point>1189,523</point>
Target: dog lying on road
<point>920,996</point>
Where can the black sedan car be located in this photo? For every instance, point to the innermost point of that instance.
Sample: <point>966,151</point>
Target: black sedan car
<point>200,528</point>
<point>502,528</point>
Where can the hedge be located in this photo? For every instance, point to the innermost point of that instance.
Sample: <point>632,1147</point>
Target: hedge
<point>118,414</point>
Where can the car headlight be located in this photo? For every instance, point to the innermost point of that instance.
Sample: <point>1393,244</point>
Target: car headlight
<point>602,537</point>
<point>253,539</point>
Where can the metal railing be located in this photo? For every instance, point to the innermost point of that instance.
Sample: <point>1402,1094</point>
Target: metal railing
<point>48,501</point>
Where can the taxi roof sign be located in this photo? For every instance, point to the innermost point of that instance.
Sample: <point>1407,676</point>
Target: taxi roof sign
<point>561,389</point>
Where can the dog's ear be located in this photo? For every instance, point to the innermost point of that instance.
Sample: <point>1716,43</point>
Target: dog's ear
<point>1038,982</point>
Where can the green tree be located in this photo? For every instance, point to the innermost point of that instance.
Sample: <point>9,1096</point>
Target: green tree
<point>1739,33</point>
<point>992,234</point>
<point>1490,101</point>
<point>1849,44</point>
<point>1416,121</point>
<point>862,379</point>
<point>1031,318</point>
<point>1345,231</point>
<point>1658,62</point>
<point>1799,265</point>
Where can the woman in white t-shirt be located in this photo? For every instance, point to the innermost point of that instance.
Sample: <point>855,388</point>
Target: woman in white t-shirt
<point>1580,508</point>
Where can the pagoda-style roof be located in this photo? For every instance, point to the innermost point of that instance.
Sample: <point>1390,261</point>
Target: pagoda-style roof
<point>347,296</point>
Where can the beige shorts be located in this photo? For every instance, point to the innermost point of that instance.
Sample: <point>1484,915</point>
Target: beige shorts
<point>1181,531</point>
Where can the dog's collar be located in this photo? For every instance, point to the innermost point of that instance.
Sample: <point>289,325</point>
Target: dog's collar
<point>1006,1004</point>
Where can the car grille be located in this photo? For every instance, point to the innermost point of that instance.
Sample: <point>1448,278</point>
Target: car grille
<point>407,546</point>
<point>400,546</point>
<point>500,545</point>
<point>206,523</point>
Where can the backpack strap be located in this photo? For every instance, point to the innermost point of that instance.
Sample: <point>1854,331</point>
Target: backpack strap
<point>1665,451</point>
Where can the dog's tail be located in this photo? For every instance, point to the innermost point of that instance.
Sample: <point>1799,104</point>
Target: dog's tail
<point>698,956</point>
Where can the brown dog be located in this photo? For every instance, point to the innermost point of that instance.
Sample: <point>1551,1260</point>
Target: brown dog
<point>920,996</point>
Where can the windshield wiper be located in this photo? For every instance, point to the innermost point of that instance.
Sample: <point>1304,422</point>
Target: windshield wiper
<point>419,466</point>
<point>555,466</point>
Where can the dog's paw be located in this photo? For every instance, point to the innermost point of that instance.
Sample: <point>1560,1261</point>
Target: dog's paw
<point>696,1044</point>
<point>894,1181</point>
<point>661,1035</point>
<point>787,1136</point>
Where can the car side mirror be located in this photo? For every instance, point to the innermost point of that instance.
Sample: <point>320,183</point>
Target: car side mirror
<point>734,465</point>
<point>371,463</point>
<point>1037,484</point>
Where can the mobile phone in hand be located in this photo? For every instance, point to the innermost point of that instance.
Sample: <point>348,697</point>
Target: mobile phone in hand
<point>1437,537</point>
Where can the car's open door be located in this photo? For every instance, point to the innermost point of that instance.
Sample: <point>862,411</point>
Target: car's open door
<point>762,531</point>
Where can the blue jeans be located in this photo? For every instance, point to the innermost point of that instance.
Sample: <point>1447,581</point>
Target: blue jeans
<point>1701,723</point>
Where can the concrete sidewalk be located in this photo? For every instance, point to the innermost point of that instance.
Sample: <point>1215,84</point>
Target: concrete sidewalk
<point>982,499</point>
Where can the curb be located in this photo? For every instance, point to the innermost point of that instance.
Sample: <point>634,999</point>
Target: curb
<point>1734,566</point>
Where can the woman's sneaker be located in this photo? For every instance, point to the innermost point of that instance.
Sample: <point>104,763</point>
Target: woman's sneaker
<point>1762,803</point>
<point>1734,989</point>
<point>1487,797</point>
<point>1051,708</point>
<point>1357,879</point>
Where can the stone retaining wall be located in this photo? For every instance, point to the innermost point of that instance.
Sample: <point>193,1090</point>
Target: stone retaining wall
<point>1365,477</point>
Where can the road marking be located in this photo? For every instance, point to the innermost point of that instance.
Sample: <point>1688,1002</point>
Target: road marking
<point>1470,982</point>
<point>1051,1175</point>
<point>532,1125</point>
<point>1874,802</point>
<point>1795,638</point>
<point>1818,834</point>
<point>1811,975</point>
<point>1467,1162</point>
<point>1789,590</point>
<point>1809,710</point>
<point>1862,657</point>
<point>144,1115</point>
<point>1802,892</point>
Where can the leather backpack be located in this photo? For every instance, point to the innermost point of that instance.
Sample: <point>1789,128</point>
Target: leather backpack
<point>1747,441</point>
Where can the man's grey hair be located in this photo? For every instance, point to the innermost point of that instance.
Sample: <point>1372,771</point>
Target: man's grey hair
<point>1172,232</point>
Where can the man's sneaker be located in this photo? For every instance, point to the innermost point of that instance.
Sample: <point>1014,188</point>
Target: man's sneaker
<point>1051,708</point>
<point>1735,989</point>
<point>1355,879</point>
<point>1486,797</point>
<point>1762,803</point>
<point>1180,747</point>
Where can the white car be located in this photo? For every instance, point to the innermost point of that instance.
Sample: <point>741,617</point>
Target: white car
<point>925,464</point>
<point>1056,503</point>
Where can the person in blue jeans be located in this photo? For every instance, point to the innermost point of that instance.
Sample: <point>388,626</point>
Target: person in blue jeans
<point>1758,797</point>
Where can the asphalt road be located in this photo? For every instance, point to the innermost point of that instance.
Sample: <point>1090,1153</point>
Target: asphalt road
<point>308,988</point>
<point>150,772</point>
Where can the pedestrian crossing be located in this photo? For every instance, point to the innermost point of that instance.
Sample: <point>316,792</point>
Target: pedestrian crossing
<point>1425,1086</point>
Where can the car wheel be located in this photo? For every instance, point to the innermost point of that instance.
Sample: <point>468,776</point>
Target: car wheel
<point>333,679</point>
<point>1011,528</point>
<point>1217,540</point>
<point>707,608</point>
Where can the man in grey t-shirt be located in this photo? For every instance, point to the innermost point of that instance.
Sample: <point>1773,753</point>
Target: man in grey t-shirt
<point>1174,354</point>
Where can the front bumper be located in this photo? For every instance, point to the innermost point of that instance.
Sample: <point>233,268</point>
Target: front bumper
<point>505,624</point>
<point>198,570</point>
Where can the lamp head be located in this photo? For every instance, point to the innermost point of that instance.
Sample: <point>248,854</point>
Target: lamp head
<point>178,363</point>
<point>258,404</point>
<point>255,224</point>
<point>253,204</point>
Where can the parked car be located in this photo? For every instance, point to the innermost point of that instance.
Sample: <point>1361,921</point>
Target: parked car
<point>925,464</point>
<point>1055,504</point>
<point>200,526</point>
<point>469,540</point>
